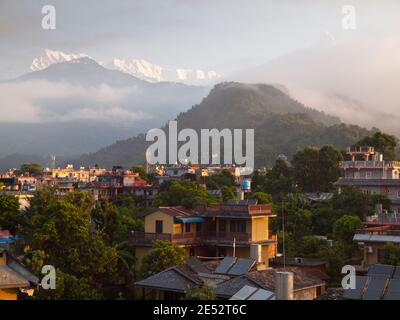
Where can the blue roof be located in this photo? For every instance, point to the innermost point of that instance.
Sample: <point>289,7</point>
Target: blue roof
<point>8,239</point>
<point>189,220</point>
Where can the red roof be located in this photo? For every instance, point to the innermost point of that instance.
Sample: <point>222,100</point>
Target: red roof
<point>178,211</point>
<point>5,234</point>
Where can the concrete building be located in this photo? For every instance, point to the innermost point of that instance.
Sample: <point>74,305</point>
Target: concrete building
<point>380,229</point>
<point>368,171</point>
<point>240,230</point>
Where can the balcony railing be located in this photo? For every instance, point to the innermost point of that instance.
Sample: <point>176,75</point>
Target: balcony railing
<point>381,232</point>
<point>148,237</point>
<point>194,238</point>
<point>369,164</point>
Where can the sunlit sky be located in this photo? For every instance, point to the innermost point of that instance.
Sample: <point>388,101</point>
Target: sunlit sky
<point>225,35</point>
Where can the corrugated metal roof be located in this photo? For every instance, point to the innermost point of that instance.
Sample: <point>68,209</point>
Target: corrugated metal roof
<point>11,279</point>
<point>171,279</point>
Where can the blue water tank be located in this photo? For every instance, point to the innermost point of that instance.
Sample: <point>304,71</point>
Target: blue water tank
<point>246,184</point>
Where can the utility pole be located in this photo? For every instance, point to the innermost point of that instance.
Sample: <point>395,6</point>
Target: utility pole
<point>283,236</point>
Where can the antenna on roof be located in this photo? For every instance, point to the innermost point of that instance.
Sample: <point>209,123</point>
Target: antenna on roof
<point>53,161</point>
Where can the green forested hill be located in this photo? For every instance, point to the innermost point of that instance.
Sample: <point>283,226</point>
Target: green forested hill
<point>282,125</point>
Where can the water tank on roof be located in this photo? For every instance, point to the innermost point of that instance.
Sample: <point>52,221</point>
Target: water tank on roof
<point>246,184</point>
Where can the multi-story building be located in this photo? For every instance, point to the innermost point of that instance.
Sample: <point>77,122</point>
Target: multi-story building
<point>240,230</point>
<point>112,183</point>
<point>69,173</point>
<point>378,230</point>
<point>368,171</point>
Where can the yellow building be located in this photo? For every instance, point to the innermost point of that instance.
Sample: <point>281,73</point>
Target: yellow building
<point>13,277</point>
<point>211,231</point>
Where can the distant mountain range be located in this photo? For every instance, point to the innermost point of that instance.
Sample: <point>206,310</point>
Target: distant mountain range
<point>340,79</point>
<point>78,106</point>
<point>138,68</point>
<point>282,125</point>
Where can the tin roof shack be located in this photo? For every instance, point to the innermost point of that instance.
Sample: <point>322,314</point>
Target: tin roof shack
<point>14,276</point>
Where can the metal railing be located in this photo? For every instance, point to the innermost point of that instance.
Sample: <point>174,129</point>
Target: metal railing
<point>369,164</point>
<point>195,237</point>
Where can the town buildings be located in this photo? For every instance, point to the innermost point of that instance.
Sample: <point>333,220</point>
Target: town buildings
<point>368,171</point>
<point>378,230</point>
<point>14,276</point>
<point>241,230</point>
<point>174,282</point>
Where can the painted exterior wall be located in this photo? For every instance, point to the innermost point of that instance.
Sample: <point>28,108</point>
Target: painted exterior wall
<point>239,252</point>
<point>150,222</point>
<point>373,257</point>
<point>268,252</point>
<point>8,294</point>
<point>2,258</point>
<point>259,229</point>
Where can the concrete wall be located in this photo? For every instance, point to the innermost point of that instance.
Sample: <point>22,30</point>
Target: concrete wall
<point>259,229</point>
<point>150,222</point>
<point>8,294</point>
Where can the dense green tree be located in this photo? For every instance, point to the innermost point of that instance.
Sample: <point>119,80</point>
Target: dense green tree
<point>10,216</point>
<point>323,218</point>
<point>391,254</point>
<point>217,181</point>
<point>335,260</point>
<point>261,197</point>
<point>69,287</point>
<point>317,169</point>
<point>227,193</point>
<point>345,227</point>
<point>310,247</point>
<point>382,142</point>
<point>306,169</point>
<point>354,201</point>
<point>182,192</point>
<point>298,220</point>
<point>329,167</point>
<point>59,232</point>
<point>162,255</point>
<point>278,182</point>
<point>290,245</point>
<point>126,203</point>
<point>33,169</point>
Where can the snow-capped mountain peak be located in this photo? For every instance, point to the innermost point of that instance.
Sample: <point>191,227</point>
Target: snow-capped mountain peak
<point>49,57</point>
<point>146,70</point>
<point>138,68</point>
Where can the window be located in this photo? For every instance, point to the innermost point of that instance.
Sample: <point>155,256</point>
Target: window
<point>159,226</point>
<point>198,227</point>
<point>381,255</point>
<point>398,194</point>
<point>222,226</point>
<point>238,226</point>
<point>187,227</point>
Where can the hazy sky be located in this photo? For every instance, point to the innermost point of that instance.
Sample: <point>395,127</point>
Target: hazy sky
<point>226,35</point>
